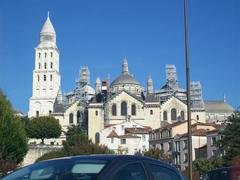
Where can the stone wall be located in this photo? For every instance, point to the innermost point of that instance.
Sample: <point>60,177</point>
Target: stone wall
<point>36,151</point>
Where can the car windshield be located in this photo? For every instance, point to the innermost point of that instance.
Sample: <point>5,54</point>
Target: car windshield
<point>86,170</point>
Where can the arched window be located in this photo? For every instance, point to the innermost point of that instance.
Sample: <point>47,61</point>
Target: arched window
<point>39,65</point>
<point>51,54</point>
<point>38,78</point>
<point>114,110</point>
<point>165,116</point>
<point>37,113</point>
<point>197,117</point>
<point>45,65</point>
<point>44,77</point>
<point>124,108</point>
<point>96,113</point>
<point>39,55</point>
<point>97,138</point>
<point>133,109</point>
<point>51,77</point>
<point>70,118</point>
<point>78,117</point>
<point>45,55</point>
<point>173,114</point>
<point>51,65</point>
<point>182,115</point>
<point>151,112</point>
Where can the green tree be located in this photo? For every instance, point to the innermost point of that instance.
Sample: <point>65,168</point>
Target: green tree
<point>13,140</point>
<point>75,135</point>
<point>230,140</point>
<point>44,127</point>
<point>157,154</point>
<point>202,165</point>
<point>77,143</point>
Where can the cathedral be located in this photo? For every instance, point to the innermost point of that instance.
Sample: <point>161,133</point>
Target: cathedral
<point>124,100</point>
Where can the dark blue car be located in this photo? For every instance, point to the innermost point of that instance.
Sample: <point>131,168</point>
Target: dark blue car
<point>98,167</point>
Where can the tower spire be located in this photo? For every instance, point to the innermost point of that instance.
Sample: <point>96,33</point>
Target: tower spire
<point>125,66</point>
<point>48,14</point>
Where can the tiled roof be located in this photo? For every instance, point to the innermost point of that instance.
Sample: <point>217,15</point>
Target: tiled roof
<point>137,130</point>
<point>128,136</point>
<point>112,134</point>
<point>196,132</point>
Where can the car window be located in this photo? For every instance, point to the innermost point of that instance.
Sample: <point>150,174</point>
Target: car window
<point>87,170</point>
<point>163,173</point>
<point>43,173</point>
<point>132,171</point>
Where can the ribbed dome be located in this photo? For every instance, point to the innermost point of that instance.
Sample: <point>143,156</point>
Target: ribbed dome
<point>125,79</point>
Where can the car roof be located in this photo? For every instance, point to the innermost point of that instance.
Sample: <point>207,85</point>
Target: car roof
<point>110,157</point>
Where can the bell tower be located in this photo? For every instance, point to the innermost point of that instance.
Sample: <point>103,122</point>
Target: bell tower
<point>46,76</point>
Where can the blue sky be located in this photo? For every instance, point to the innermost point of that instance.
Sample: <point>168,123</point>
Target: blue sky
<point>99,33</point>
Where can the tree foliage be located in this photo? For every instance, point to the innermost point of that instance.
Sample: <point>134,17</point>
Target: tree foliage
<point>158,154</point>
<point>44,127</point>
<point>77,143</point>
<point>230,140</point>
<point>13,141</point>
<point>203,165</point>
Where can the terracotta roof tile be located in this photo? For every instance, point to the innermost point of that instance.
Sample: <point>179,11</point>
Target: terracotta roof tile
<point>113,134</point>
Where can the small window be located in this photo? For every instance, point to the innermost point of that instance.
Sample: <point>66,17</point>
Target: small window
<point>38,78</point>
<point>51,77</point>
<point>165,116</point>
<point>173,114</point>
<point>151,112</point>
<point>70,118</point>
<point>114,110</point>
<point>39,65</point>
<point>50,112</point>
<point>45,55</point>
<point>112,140</point>
<point>143,137</point>
<point>214,140</point>
<point>182,115</point>
<point>197,117</point>
<point>169,146</point>
<point>161,146</point>
<point>185,157</point>
<point>51,65</point>
<point>39,55</point>
<point>78,117</point>
<point>44,77</point>
<point>37,113</point>
<point>124,108</point>
<point>133,109</point>
<point>45,65</point>
<point>185,144</point>
<point>51,54</point>
<point>96,113</point>
<point>123,141</point>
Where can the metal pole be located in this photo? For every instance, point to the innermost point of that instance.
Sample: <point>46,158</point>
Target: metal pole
<point>188,95</point>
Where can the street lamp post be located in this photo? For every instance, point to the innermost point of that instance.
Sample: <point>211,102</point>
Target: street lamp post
<point>188,94</point>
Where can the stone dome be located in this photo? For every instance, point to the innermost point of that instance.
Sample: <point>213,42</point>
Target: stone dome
<point>126,82</point>
<point>125,79</point>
